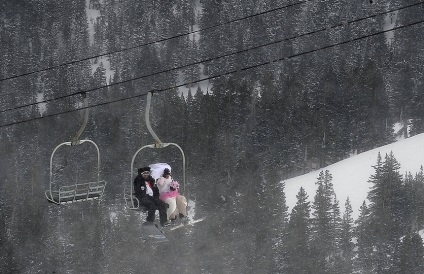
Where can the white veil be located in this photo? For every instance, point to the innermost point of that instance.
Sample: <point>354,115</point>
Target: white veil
<point>156,170</point>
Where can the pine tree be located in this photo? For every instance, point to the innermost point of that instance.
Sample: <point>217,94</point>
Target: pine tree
<point>297,259</point>
<point>335,259</point>
<point>99,76</point>
<point>410,257</point>
<point>364,241</point>
<point>414,205</point>
<point>324,223</point>
<point>386,212</point>
<point>346,244</point>
<point>191,73</point>
<point>384,196</point>
<point>419,201</point>
<point>280,246</point>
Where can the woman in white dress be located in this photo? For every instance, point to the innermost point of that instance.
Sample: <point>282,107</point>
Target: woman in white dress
<point>168,190</point>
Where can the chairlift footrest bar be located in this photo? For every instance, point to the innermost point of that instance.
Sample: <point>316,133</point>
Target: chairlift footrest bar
<point>77,193</point>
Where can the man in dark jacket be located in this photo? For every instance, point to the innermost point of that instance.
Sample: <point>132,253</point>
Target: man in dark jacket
<point>147,193</point>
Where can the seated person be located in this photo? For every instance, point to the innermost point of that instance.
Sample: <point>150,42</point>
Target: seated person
<point>168,189</point>
<point>147,194</point>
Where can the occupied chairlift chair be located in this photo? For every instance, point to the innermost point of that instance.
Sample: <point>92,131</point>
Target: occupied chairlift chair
<point>78,191</point>
<point>131,200</point>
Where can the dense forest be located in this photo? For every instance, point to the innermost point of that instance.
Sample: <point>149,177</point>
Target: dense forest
<point>255,92</point>
<point>318,238</point>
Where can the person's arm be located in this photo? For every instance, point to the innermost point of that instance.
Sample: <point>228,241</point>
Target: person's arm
<point>137,187</point>
<point>155,188</point>
<point>161,181</point>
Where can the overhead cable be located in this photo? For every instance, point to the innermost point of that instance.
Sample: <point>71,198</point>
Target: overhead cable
<point>154,42</point>
<point>220,75</point>
<point>323,29</point>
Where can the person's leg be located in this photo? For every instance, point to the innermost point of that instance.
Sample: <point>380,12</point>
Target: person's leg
<point>151,208</point>
<point>172,207</point>
<point>174,215</point>
<point>161,206</point>
<point>181,205</point>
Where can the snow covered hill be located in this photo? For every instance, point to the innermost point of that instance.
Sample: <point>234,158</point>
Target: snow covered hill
<point>350,176</point>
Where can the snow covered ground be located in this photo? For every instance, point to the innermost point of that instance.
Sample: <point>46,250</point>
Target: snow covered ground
<point>350,176</point>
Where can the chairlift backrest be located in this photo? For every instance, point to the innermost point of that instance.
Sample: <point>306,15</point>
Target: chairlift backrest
<point>77,192</point>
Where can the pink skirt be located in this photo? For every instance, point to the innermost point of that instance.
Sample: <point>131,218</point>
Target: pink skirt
<point>167,195</point>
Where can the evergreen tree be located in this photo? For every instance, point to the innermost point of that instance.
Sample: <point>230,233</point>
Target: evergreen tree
<point>333,114</point>
<point>419,201</point>
<point>414,205</point>
<point>297,259</point>
<point>191,73</point>
<point>280,246</point>
<point>99,76</point>
<point>346,244</point>
<point>364,241</point>
<point>324,223</point>
<point>417,111</point>
<point>384,196</point>
<point>411,255</point>
<point>386,212</point>
<point>335,260</point>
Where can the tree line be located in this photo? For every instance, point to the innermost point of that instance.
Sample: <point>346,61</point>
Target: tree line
<point>385,238</point>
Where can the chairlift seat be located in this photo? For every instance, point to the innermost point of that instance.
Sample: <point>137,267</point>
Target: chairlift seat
<point>77,192</point>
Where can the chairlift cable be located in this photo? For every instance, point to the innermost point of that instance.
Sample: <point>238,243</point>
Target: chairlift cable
<point>154,42</point>
<point>210,59</point>
<point>216,76</point>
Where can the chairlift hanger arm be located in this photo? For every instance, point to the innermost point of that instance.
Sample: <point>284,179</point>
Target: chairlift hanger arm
<point>76,140</point>
<point>147,119</point>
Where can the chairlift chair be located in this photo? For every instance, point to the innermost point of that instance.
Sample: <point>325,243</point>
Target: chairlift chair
<point>77,192</point>
<point>131,200</point>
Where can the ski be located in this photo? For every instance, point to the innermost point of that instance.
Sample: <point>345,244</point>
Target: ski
<point>154,232</point>
<point>187,224</point>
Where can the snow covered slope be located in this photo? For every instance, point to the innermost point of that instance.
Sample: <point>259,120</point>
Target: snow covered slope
<point>350,176</point>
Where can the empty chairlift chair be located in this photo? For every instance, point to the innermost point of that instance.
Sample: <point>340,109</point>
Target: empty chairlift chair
<point>61,193</point>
